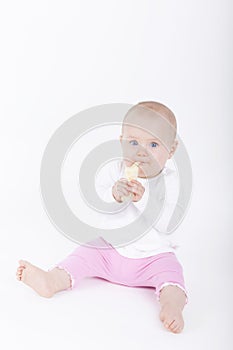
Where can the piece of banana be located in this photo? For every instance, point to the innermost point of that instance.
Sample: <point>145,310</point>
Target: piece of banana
<point>131,173</point>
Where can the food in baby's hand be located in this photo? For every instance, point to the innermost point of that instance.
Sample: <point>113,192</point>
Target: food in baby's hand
<point>131,173</point>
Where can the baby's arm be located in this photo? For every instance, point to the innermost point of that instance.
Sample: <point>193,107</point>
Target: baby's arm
<point>107,181</point>
<point>110,188</point>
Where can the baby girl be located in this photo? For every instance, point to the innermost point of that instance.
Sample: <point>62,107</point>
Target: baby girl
<point>148,140</point>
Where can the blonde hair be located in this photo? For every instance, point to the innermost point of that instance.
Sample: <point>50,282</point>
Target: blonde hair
<point>161,109</point>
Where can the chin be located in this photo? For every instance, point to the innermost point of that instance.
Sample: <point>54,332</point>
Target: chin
<point>150,174</point>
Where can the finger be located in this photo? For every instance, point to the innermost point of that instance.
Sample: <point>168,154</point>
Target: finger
<point>135,182</point>
<point>136,185</point>
<point>136,190</point>
<point>125,186</point>
<point>122,191</point>
<point>135,198</point>
<point>123,180</point>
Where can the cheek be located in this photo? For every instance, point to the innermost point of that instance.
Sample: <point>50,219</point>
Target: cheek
<point>161,157</point>
<point>128,150</point>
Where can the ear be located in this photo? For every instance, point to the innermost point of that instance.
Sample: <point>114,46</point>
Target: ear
<point>173,148</point>
<point>120,138</point>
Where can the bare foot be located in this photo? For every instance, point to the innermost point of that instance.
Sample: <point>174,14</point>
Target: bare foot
<point>172,318</point>
<point>172,299</point>
<point>45,283</point>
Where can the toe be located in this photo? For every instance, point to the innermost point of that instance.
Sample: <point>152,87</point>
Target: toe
<point>19,271</point>
<point>166,324</point>
<point>18,276</point>
<point>168,321</point>
<point>173,325</point>
<point>177,329</point>
<point>23,263</point>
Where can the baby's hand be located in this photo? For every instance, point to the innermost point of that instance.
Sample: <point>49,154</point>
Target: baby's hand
<point>137,189</point>
<point>121,189</point>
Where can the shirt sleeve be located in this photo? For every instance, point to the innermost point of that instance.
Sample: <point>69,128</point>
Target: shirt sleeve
<point>105,179</point>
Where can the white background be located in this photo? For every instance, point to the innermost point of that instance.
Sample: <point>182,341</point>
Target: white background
<point>58,58</point>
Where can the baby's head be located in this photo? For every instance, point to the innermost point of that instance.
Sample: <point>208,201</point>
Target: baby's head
<point>149,137</point>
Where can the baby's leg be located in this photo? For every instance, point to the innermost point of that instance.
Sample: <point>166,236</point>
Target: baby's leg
<point>170,289</point>
<point>82,262</point>
<point>45,283</point>
<point>172,300</point>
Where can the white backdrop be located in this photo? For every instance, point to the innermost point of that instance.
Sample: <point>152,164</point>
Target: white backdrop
<point>58,58</point>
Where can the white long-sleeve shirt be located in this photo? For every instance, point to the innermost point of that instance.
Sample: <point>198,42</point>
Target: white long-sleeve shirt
<point>155,240</point>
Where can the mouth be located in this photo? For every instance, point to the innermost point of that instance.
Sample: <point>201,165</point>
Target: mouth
<point>139,164</point>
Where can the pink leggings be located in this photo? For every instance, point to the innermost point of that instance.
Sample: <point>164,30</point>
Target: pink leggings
<point>155,271</point>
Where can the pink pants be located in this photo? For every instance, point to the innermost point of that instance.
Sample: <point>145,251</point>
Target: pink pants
<point>155,271</point>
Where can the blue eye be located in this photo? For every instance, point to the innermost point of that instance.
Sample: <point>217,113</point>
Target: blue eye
<point>154,144</point>
<point>133,142</point>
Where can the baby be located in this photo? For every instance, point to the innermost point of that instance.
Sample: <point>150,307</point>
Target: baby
<point>148,140</point>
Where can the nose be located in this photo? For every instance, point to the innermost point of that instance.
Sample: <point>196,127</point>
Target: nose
<point>142,152</point>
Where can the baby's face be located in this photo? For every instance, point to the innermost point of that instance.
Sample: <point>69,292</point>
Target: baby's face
<point>151,150</point>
